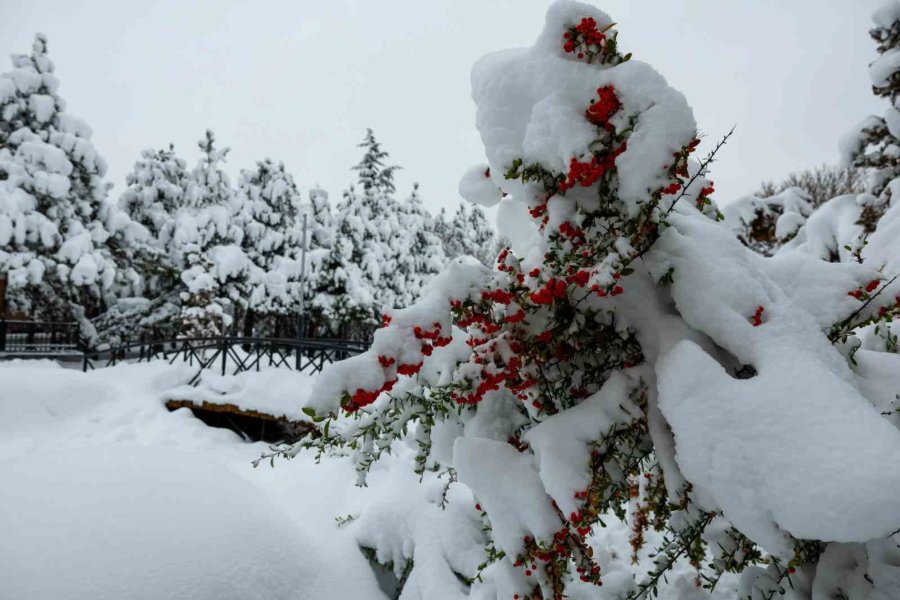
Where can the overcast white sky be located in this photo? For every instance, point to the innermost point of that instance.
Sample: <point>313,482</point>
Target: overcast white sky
<point>301,80</point>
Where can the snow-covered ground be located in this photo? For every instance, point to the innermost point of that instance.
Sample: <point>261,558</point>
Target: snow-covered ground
<point>104,493</point>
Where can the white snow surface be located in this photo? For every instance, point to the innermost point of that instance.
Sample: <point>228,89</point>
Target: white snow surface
<point>796,448</point>
<point>144,522</point>
<point>478,187</point>
<point>106,494</point>
<point>518,508</point>
<point>561,442</point>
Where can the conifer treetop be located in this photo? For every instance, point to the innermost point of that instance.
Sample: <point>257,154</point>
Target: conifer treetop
<point>374,176</point>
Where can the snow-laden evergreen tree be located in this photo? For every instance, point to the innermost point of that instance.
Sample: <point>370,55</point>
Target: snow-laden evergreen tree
<point>382,235</point>
<point>207,244</point>
<point>341,295</point>
<point>365,250</point>
<point>321,225</point>
<point>267,210</point>
<point>155,193</point>
<point>375,177</point>
<point>873,144</point>
<point>421,256</point>
<point>55,219</point>
<point>468,233</point>
<point>627,366</point>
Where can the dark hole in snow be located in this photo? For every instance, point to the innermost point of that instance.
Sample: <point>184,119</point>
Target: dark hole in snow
<point>249,424</point>
<point>387,579</point>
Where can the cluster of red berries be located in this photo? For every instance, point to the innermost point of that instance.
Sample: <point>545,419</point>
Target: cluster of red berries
<point>538,211</point>
<point>603,292</point>
<point>499,296</point>
<point>583,36</point>
<point>587,173</point>
<point>870,287</point>
<point>507,374</point>
<point>703,196</point>
<point>570,231</point>
<point>672,188</point>
<point>554,288</point>
<point>580,278</point>
<point>757,316</point>
<point>432,338</point>
<point>604,107</point>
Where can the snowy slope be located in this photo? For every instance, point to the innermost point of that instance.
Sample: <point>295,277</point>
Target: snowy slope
<point>105,494</point>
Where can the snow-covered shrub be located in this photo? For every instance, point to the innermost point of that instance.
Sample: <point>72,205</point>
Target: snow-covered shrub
<point>628,349</point>
<point>821,183</point>
<point>862,227</point>
<point>766,224</point>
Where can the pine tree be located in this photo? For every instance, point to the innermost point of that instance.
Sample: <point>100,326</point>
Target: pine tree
<point>207,243</point>
<point>341,296</point>
<point>375,178</point>
<point>155,193</point>
<point>422,256</point>
<point>54,212</point>
<point>267,209</point>
<point>322,221</point>
<point>468,234</point>
<point>366,248</point>
<point>872,146</point>
<point>156,190</point>
<point>378,235</point>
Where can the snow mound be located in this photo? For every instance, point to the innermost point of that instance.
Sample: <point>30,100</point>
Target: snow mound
<point>478,187</point>
<point>32,399</point>
<point>279,392</point>
<point>145,523</point>
<point>796,448</point>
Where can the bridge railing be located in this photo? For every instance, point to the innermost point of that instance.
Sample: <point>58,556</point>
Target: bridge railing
<point>39,337</point>
<point>225,354</point>
<point>230,354</point>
